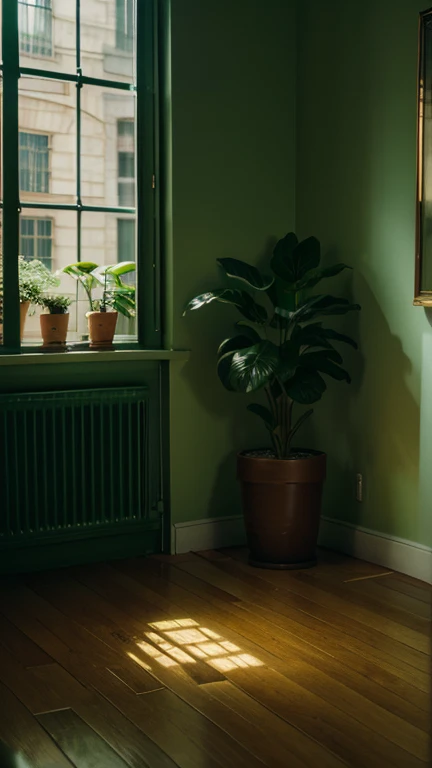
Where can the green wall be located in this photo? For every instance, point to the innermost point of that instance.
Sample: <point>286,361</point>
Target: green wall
<point>233,121</point>
<point>356,167</point>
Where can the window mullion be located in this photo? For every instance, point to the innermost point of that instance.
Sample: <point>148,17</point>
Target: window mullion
<point>11,307</point>
<point>149,333</point>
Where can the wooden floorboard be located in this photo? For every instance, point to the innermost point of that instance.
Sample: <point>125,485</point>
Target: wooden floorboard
<point>201,661</point>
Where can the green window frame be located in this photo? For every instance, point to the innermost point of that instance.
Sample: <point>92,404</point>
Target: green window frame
<point>147,204</point>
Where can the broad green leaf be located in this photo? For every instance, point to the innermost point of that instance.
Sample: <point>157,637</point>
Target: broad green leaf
<point>80,267</point>
<point>291,261</point>
<point>253,334</point>
<point>240,299</point>
<point>313,277</point>
<point>330,334</point>
<point>121,268</point>
<point>322,305</point>
<point>289,361</point>
<point>224,370</point>
<point>264,413</point>
<point>252,368</point>
<point>234,344</point>
<point>247,273</point>
<point>306,386</point>
<point>326,362</point>
<point>282,257</point>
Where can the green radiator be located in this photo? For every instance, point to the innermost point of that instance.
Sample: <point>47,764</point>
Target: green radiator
<point>73,462</point>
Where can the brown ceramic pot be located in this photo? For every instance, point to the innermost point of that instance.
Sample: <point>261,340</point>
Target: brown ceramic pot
<point>282,508</point>
<point>54,329</point>
<point>102,327</point>
<point>24,307</point>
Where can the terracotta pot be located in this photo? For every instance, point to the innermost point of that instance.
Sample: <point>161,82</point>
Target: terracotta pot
<point>102,327</point>
<point>282,508</point>
<point>54,329</point>
<point>24,308</point>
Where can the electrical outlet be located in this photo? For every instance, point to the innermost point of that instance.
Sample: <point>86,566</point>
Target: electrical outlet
<point>359,487</point>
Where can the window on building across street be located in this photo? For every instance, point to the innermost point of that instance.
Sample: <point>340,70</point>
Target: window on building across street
<point>34,162</point>
<point>124,25</point>
<point>78,89</point>
<point>126,162</point>
<point>36,240</point>
<point>35,27</point>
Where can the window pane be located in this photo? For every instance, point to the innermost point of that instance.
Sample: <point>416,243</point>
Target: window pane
<point>47,140</point>
<point>47,36</point>
<point>107,239</point>
<point>108,39</point>
<point>107,146</point>
<point>51,238</point>
<point>35,27</point>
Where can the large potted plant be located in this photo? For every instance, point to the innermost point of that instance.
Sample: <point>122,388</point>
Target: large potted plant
<point>283,349</point>
<point>116,296</point>
<point>34,278</point>
<point>54,323</point>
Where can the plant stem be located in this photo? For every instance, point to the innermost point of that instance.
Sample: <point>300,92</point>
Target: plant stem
<point>274,410</point>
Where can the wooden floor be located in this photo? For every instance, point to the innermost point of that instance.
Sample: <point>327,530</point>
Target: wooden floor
<point>201,661</point>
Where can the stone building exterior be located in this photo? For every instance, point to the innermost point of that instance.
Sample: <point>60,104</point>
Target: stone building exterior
<point>48,139</point>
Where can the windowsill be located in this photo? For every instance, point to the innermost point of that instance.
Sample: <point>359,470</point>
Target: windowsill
<point>92,356</point>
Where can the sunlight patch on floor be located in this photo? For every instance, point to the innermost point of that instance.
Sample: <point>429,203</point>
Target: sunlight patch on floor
<point>183,641</point>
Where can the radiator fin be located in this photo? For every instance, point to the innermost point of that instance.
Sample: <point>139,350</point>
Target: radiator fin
<point>73,460</point>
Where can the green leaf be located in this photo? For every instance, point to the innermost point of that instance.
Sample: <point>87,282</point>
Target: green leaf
<point>282,257</point>
<point>234,344</point>
<point>315,306</point>
<point>121,268</point>
<point>330,334</point>
<point>314,335</point>
<point>224,370</point>
<point>264,413</point>
<point>247,273</point>
<point>76,270</point>
<point>292,260</point>
<point>240,299</point>
<point>325,362</point>
<point>253,334</point>
<point>315,276</point>
<point>306,386</point>
<point>252,368</point>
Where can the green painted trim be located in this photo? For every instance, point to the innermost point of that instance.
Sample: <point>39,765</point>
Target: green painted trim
<point>79,78</point>
<point>112,356</point>
<point>149,333</point>
<point>165,186</point>
<point>68,553</point>
<point>78,207</point>
<point>10,228</point>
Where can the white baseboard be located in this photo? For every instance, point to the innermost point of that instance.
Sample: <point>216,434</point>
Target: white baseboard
<point>210,533</point>
<point>389,551</point>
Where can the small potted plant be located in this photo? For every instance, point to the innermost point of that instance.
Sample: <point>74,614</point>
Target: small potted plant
<point>116,297</point>
<point>282,349</point>
<point>34,278</point>
<point>54,324</point>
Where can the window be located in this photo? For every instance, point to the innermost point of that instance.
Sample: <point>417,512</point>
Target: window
<point>35,27</point>
<point>78,157</point>
<point>126,163</point>
<point>124,25</point>
<point>34,162</point>
<point>36,240</point>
